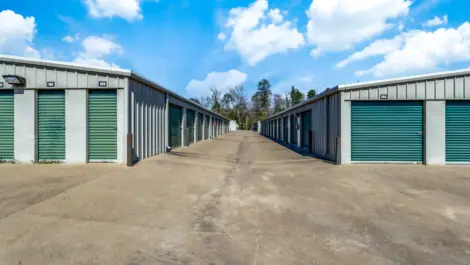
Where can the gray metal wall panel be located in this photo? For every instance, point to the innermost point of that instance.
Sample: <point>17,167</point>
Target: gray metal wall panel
<point>38,76</point>
<point>434,89</point>
<point>147,107</point>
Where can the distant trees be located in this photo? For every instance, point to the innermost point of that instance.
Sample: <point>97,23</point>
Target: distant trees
<point>279,104</point>
<point>311,93</point>
<point>296,96</point>
<point>262,99</point>
<point>235,105</point>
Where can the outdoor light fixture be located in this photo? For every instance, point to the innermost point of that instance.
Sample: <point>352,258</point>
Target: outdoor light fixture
<point>1,84</point>
<point>383,96</point>
<point>15,80</point>
<point>50,84</point>
<point>102,84</point>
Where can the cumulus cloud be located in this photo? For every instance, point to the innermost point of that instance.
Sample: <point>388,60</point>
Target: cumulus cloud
<point>376,48</point>
<point>338,25</point>
<point>17,34</point>
<point>95,49</point>
<point>127,9</point>
<point>219,80</point>
<point>257,32</point>
<point>436,21</point>
<point>71,39</point>
<point>221,36</point>
<point>423,51</point>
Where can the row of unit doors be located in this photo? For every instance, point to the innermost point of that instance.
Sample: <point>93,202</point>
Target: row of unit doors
<point>393,131</point>
<point>51,129</point>
<point>175,126</point>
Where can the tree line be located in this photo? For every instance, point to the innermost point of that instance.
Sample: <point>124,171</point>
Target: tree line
<point>236,105</point>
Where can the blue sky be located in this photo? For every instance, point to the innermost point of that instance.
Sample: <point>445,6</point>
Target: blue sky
<point>190,46</point>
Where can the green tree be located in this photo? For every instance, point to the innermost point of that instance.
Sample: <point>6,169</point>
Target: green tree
<point>279,104</point>
<point>287,101</point>
<point>262,99</point>
<point>215,100</point>
<point>311,93</point>
<point>296,96</point>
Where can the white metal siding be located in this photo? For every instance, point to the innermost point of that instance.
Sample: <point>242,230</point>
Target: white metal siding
<point>444,88</point>
<point>38,76</point>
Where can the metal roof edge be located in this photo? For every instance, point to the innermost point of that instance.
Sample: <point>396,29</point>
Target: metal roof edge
<point>404,79</point>
<point>102,70</point>
<point>325,93</point>
<point>64,65</point>
<point>151,83</point>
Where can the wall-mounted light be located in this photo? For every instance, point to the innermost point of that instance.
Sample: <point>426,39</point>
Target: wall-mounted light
<point>50,84</point>
<point>383,96</point>
<point>102,84</point>
<point>1,84</point>
<point>15,80</point>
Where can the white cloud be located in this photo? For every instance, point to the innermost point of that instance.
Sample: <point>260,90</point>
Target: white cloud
<point>94,62</point>
<point>376,48</point>
<point>71,39</point>
<point>221,36</point>
<point>423,51</point>
<point>68,39</point>
<point>275,15</point>
<point>17,34</point>
<point>219,80</point>
<point>337,25</point>
<point>100,46</point>
<point>303,83</point>
<point>95,49</point>
<point>127,9</point>
<point>436,21</point>
<point>256,32</point>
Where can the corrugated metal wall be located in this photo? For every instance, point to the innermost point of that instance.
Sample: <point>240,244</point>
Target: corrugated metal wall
<point>147,120</point>
<point>38,76</point>
<point>443,88</point>
<point>326,122</point>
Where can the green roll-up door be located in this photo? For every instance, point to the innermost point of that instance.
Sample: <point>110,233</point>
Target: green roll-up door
<point>190,127</point>
<point>7,125</point>
<point>176,118</point>
<point>387,131</point>
<point>51,125</point>
<point>200,123</point>
<point>458,131</point>
<point>102,125</point>
<point>286,128</point>
<point>306,127</point>
<point>293,129</point>
<point>206,128</point>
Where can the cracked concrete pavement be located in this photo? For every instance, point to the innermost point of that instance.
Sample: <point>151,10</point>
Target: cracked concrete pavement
<point>237,199</point>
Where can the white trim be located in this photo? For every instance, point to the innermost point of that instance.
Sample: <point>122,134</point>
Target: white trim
<point>404,79</point>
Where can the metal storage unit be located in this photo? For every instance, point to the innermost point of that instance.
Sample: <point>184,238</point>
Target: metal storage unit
<point>7,125</point>
<point>51,125</point>
<point>174,133</point>
<point>293,130</point>
<point>458,132</point>
<point>306,127</point>
<point>190,116</point>
<point>286,128</point>
<point>206,128</point>
<point>387,131</point>
<point>102,125</point>
<point>200,124</point>
<point>96,114</point>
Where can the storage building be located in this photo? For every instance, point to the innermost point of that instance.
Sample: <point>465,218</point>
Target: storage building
<point>420,119</point>
<point>53,111</point>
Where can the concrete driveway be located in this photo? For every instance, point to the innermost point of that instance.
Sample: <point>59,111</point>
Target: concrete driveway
<point>239,199</point>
